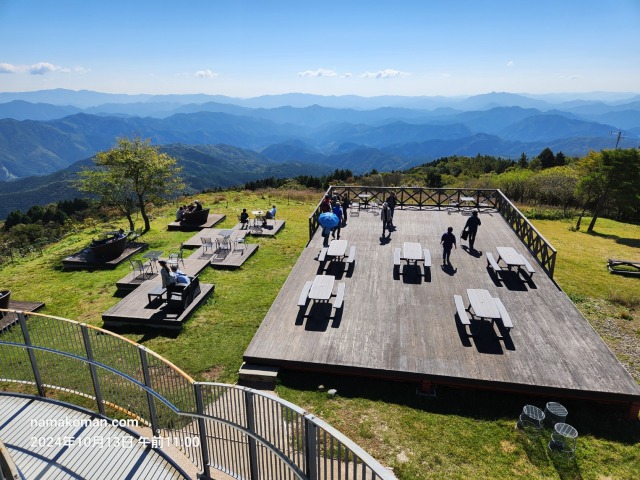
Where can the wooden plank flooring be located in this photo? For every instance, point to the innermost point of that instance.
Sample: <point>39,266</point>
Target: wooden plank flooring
<point>213,219</point>
<point>72,444</point>
<point>192,265</point>
<point>135,309</point>
<point>403,325</point>
<point>86,259</point>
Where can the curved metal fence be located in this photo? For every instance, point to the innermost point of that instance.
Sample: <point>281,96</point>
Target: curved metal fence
<point>242,432</point>
<point>420,198</point>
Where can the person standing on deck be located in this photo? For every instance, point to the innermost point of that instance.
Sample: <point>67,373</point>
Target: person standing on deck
<point>448,241</point>
<point>345,206</point>
<point>337,211</point>
<point>471,228</point>
<point>385,216</point>
<point>392,200</point>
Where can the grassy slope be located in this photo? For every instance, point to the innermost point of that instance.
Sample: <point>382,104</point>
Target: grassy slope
<point>458,435</point>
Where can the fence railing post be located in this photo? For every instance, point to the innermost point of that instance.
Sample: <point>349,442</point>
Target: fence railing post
<point>202,427</point>
<point>32,356</point>
<point>147,382</point>
<point>311,448</point>
<point>251,426</point>
<point>92,368</point>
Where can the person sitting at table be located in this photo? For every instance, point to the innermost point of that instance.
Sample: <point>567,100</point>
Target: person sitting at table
<point>120,234</point>
<point>197,205</point>
<point>270,215</point>
<point>180,213</point>
<point>167,276</point>
<point>181,278</point>
<point>244,219</point>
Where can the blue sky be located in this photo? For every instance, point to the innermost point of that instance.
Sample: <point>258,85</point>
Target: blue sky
<point>256,47</point>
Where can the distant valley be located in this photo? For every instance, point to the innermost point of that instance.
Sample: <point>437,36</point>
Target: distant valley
<point>223,141</point>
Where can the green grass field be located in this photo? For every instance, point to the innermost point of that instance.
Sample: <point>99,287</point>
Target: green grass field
<point>459,434</point>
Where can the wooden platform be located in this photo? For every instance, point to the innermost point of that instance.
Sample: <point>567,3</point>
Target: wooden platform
<point>192,265</point>
<point>213,219</point>
<point>135,309</point>
<point>86,259</point>
<point>196,242</point>
<point>72,443</point>
<point>9,318</point>
<point>403,325</point>
<point>270,230</point>
<point>232,259</point>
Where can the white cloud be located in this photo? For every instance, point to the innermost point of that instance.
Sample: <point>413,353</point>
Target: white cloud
<point>81,70</point>
<point>43,68</point>
<point>510,63</point>
<point>388,73</point>
<point>8,68</point>
<point>206,74</point>
<point>321,72</point>
<point>347,75</point>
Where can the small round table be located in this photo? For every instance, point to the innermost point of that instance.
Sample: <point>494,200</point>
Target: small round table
<point>564,439</point>
<point>554,413</point>
<point>531,419</point>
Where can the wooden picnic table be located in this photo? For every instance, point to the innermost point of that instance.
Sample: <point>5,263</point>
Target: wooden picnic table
<point>322,287</point>
<point>337,248</point>
<point>482,305</point>
<point>510,256</point>
<point>412,252</point>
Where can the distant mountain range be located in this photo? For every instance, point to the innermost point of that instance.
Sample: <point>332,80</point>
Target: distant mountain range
<point>46,132</point>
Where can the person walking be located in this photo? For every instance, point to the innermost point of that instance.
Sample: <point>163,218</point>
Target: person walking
<point>471,227</point>
<point>448,241</point>
<point>345,207</point>
<point>337,211</point>
<point>392,200</point>
<point>385,216</point>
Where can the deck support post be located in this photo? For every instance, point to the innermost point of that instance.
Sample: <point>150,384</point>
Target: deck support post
<point>251,426</point>
<point>310,430</point>
<point>147,382</point>
<point>634,411</point>
<point>32,356</point>
<point>202,427</point>
<point>92,368</point>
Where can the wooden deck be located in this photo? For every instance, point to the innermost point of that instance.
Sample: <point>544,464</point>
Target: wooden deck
<point>191,265</point>
<point>196,242</point>
<point>272,228</point>
<point>70,443</point>
<point>135,309</point>
<point>402,324</point>
<point>213,219</point>
<point>86,259</point>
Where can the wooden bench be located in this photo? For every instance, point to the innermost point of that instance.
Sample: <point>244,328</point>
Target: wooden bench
<point>462,311</point>
<point>504,316</point>
<point>323,254</point>
<point>302,299</point>
<point>157,292</point>
<point>527,266</point>
<point>337,303</point>
<point>396,256</point>
<point>352,254</point>
<point>491,261</point>
<point>427,258</point>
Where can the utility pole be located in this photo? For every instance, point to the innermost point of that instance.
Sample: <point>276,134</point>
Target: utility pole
<point>619,134</point>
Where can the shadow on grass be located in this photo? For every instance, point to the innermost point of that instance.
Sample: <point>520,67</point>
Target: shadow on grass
<point>537,451</point>
<point>590,419</point>
<point>629,242</point>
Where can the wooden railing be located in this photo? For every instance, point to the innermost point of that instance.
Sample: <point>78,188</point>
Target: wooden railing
<point>438,198</point>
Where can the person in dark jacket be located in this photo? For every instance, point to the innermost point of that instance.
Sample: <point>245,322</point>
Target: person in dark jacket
<point>392,200</point>
<point>385,216</point>
<point>471,227</point>
<point>345,206</point>
<point>448,241</point>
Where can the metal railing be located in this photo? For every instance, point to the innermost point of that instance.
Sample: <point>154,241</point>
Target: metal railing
<point>239,431</point>
<point>445,198</point>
